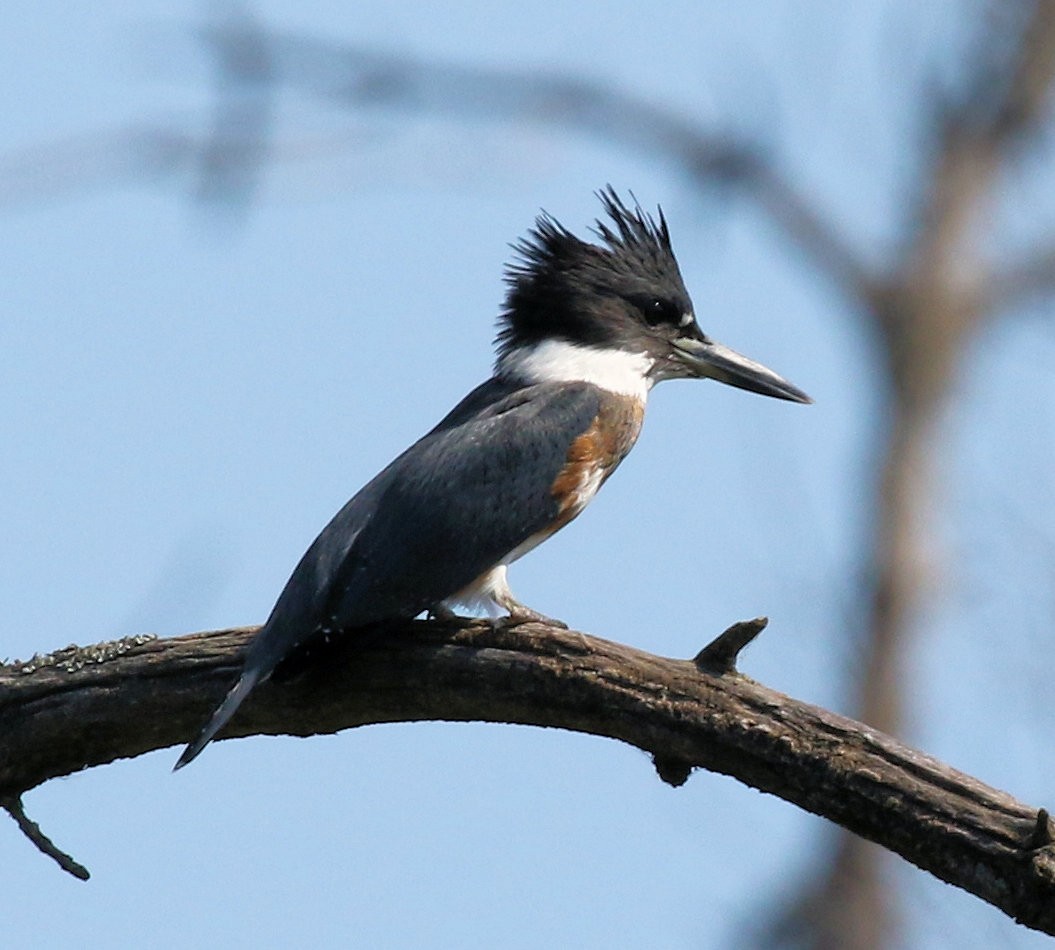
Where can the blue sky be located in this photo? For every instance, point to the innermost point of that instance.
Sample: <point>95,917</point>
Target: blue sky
<point>191,392</point>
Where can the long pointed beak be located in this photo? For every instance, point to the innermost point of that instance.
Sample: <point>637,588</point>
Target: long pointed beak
<point>706,359</point>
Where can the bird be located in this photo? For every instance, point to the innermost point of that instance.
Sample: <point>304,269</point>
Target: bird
<point>586,330</point>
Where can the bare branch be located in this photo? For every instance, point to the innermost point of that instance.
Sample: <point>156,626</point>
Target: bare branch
<point>361,77</point>
<point>938,292</point>
<point>60,718</point>
<point>1017,283</point>
<point>13,806</point>
<point>232,157</point>
<point>1015,71</point>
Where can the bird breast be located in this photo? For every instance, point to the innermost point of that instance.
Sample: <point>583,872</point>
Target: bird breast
<point>595,454</point>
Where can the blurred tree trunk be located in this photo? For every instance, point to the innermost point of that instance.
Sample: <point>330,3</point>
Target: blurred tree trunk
<point>927,315</point>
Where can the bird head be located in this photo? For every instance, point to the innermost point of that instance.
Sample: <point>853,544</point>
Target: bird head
<point>621,300</point>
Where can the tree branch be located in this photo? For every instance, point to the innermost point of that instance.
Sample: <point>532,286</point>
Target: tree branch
<point>63,712</point>
<point>13,806</point>
<point>360,77</point>
<point>1018,282</point>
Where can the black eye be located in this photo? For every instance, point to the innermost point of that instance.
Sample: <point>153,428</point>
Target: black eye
<point>658,311</point>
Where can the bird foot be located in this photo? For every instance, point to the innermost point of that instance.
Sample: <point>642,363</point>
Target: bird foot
<point>520,614</point>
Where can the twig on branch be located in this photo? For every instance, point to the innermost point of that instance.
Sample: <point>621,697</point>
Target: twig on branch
<point>12,804</point>
<point>55,722</point>
<point>720,655</point>
<point>1043,833</point>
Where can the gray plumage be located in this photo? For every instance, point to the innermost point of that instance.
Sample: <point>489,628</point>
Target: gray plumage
<point>585,331</point>
<point>388,552</point>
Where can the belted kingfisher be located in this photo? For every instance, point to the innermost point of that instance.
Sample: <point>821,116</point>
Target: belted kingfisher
<point>585,333</point>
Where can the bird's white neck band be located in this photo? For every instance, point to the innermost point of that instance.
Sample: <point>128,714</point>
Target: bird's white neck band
<point>557,361</point>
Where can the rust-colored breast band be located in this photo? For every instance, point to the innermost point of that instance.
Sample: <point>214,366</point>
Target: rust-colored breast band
<point>595,454</point>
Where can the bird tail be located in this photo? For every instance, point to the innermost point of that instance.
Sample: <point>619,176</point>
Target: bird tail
<point>221,717</point>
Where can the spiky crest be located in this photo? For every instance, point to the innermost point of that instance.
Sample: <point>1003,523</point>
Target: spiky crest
<point>557,279</point>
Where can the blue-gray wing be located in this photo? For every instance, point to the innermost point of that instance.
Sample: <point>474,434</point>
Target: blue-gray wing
<point>445,511</point>
<point>448,509</point>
